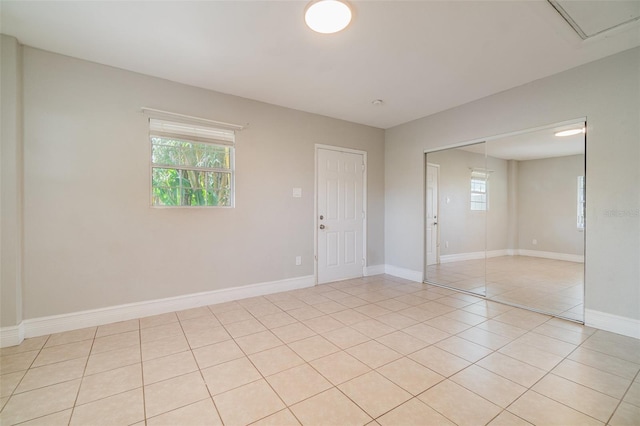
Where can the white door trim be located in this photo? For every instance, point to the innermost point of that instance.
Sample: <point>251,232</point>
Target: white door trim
<point>315,204</point>
<point>437,233</point>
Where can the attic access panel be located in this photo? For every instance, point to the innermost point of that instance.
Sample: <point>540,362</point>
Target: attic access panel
<point>589,18</point>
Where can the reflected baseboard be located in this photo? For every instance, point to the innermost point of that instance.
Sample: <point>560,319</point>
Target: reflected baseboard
<point>460,257</point>
<point>551,255</point>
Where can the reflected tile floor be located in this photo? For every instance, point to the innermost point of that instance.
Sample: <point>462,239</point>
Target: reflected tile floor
<point>546,285</point>
<point>375,350</point>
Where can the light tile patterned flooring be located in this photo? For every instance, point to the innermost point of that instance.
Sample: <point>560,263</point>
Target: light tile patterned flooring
<point>376,350</point>
<point>546,285</point>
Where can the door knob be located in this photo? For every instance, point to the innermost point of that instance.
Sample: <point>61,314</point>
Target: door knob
<point>321,226</point>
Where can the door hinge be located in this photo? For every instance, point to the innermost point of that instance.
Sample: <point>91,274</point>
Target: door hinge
<point>362,261</point>
<point>363,167</point>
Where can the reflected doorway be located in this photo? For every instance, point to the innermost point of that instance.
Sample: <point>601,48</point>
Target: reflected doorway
<point>455,221</point>
<point>431,221</point>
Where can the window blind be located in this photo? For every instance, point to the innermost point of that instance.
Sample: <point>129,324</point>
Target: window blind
<point>190,132</point>
<point>479,175</point>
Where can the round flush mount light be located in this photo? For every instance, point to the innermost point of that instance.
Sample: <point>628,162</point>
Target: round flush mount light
<point>570,132</point>
<point>327,16</point>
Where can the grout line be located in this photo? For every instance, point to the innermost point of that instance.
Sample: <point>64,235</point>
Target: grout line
<point>144,399</point>
<point>371,287</point>
<point>622,399</point>
<point>548,373</point>
<point>75,401</point>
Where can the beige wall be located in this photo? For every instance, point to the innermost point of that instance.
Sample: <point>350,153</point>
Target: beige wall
<point>544,209</point>
<point>10,182</point>
<point>547,204</point>
<point>607,92</point>
<point>465,230</point>
<point>91,240</point>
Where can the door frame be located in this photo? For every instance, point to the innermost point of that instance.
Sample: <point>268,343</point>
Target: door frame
<point>315,204</point>
<point>426,263</point>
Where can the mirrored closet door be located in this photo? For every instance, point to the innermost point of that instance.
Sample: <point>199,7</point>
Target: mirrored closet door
<point>456,218</point>
<point>505,219</point>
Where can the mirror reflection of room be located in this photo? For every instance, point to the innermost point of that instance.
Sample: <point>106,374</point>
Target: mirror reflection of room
<point>522,198</point>
<point>456,218</point>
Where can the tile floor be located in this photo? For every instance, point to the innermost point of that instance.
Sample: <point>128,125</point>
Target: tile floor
<point>546,285</point>
<point>376,350</point>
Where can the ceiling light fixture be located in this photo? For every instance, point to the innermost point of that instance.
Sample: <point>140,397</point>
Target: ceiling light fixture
<point>569,132</point>
<point>327,16</point>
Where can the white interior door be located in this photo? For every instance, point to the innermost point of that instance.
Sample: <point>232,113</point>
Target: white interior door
<point>340,210</point>
<point>431,223</point>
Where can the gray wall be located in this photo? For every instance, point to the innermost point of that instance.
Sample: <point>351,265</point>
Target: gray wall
<point>11,182</point>
<point>607,92</point>
<point>461,227</point>
<point>547,204</point>
<point>545,207</point>
<point>91,240</point>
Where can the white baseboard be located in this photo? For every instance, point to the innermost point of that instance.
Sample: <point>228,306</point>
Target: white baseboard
<point>614,323</point>
<point>373,270</point>
<point>448,258</point>
<point>499,253</point>
<point>459,257</point>
<point>551,255</point>
<point>10,336</point>
<point>407,274</point>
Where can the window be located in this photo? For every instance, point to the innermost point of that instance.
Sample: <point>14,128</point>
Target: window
<point>581,202</point>
<point>479,182</point>
<point>191,165</point>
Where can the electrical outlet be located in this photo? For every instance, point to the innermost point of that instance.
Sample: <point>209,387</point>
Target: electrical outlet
<point>534,242</point>
<point>298,260</point>
<point>446,244</point>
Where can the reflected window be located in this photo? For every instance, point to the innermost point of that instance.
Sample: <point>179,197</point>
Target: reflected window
<point>581,202</point>
<point>479,182</point>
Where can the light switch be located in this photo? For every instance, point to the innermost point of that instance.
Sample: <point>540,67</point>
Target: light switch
<point>297,192</point>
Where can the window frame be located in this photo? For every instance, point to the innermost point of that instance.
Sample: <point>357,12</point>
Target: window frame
<point>194,140</point>
<point>481,176</point>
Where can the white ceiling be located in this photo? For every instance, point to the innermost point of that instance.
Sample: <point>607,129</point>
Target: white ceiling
<point>590,18</point>
<point>419,57</point>
<point>533,145</point>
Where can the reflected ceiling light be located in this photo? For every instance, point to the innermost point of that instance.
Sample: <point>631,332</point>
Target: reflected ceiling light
<point>327,16</point>
<point>570,132</point>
